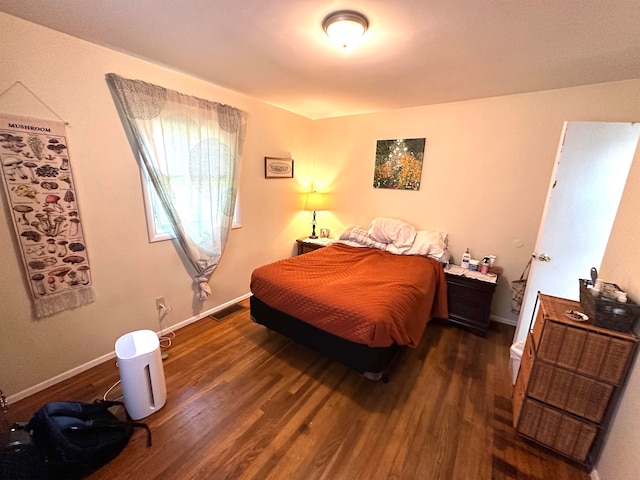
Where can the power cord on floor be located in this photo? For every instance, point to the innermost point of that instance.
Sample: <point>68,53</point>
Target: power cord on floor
<point>166,338</point>
<point>104,397</point>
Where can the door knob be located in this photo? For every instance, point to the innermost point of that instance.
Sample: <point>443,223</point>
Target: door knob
<point>543,257</point>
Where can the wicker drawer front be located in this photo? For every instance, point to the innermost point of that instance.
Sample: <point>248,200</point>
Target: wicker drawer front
<point>557,430</point>
<point>616,360</point>
<point>590,353</point>
<point>520,388</point>
<point>576,394</point>
<point>593,354</point>
<point>550,341</point>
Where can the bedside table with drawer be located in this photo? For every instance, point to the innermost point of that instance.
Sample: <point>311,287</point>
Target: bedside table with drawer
<point>306,244</point>
<point>469,302</point>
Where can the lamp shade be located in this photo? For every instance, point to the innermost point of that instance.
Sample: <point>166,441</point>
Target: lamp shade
<point>315,202</point>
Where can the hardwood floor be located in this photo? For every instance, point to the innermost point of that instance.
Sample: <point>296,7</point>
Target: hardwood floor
<point>247,403</point>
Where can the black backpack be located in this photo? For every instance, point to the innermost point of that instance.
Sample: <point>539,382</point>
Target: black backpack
<point>75,438</point>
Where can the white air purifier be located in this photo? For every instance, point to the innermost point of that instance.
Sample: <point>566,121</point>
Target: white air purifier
<point>141,373</point>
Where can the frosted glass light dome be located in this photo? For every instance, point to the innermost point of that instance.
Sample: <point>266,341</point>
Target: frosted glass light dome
<point>345,28</point>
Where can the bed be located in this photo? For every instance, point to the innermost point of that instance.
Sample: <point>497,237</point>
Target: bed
<point>353,303</point>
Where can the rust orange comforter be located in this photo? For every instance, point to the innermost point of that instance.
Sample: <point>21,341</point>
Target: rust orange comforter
<point>364,295</point>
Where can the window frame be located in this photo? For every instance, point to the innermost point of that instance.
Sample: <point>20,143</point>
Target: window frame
<point>155,231</point>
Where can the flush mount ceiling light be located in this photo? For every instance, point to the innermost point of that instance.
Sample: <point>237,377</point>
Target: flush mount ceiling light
<point>345,27</point>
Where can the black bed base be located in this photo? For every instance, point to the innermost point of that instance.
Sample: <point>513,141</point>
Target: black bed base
<point>370,361</point>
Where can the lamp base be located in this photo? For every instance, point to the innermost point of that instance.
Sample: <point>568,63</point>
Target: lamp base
<point>313,226</point>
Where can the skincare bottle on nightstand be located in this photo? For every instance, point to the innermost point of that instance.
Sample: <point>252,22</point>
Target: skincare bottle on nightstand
<point>466,257</point>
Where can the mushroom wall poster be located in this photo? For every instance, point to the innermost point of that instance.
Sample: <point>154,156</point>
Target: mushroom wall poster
<point>42,200</point>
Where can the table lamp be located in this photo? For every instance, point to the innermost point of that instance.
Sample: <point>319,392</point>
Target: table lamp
<point>314,202</point>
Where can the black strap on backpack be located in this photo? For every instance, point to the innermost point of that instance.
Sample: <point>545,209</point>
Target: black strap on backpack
<point>76,438</point>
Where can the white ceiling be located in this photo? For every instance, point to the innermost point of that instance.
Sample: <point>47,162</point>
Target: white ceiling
<point>416,52</point>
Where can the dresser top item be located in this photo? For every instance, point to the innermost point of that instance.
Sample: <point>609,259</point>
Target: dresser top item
<point>555,308</point>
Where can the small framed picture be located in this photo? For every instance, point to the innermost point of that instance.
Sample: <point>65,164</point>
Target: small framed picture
<point>278,167</point>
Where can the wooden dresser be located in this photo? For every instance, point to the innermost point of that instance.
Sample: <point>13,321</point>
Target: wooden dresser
<point>570,380</point>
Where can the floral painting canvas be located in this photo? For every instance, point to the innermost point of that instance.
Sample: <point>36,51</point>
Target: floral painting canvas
<point>399,163</point>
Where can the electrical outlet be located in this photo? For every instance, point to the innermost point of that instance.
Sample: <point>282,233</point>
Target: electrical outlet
<point>160,303</point>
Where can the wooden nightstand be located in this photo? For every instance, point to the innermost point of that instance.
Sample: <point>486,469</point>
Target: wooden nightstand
<point>305,246</point>
<point>470,302</point>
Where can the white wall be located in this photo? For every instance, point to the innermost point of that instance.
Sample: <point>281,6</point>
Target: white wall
<point>128,272</point>
<point>486,169</point>
<point>620,459</point>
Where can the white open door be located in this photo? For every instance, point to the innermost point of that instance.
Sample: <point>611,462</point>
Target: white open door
<point>590,172</point>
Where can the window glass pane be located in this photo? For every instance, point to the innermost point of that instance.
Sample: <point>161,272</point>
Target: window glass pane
<point>158,225</point>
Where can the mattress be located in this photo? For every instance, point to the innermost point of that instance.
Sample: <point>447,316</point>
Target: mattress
<point>363,295</point>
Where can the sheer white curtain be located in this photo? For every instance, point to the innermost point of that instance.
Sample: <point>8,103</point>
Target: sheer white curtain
<point>191,149</point>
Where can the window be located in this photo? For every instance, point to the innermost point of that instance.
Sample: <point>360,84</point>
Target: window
<point>158,225</point>
<point>191,148</point>
<point>184,159</point>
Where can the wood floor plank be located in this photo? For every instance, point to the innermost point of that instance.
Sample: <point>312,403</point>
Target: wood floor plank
<point>247,403</point>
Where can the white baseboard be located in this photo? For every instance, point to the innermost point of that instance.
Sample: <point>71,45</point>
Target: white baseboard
<point>200,316</point>
<point>84,367</point>
<point>506,321</point>
<point>59,378</point>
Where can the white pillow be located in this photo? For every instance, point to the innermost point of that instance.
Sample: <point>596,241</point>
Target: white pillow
<point>426,243</point>
<point>359,236</point>
<point>434,242</point>
<point>345,235</point>
<point>444,258</point>
<point>392,230</point>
